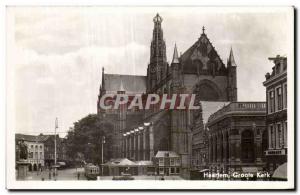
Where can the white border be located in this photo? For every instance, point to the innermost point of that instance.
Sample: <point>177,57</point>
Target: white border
<point>13,184</point>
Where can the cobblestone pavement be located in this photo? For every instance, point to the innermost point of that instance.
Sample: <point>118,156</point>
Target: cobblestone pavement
<point>72,174</point>
<point>65,174</point>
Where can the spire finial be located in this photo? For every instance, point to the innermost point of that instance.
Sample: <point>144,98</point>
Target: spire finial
<point>121,86</point>
<point>157,19</point>
<point>203,30</point>
<point>231,58</point>
<point>175,55</point>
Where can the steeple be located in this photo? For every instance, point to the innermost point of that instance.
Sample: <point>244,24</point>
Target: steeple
<point>121,88</point>
<point>175,55</point>
<point>158,45</point>
<point>103,83</point>
<point>231,61</point>
<point>158,66</point>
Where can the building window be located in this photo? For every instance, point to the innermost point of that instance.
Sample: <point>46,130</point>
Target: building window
<point>172,162</point>
<point>279,137</point>
<point>30,155</point>
<point>272,134</point>
<point>172,171</point>
<point>285,134</point>
<point>271,102</point>
<point>161,162</point>
<point>285,96</point>
<point>279,98</point>
<point>41,147</point>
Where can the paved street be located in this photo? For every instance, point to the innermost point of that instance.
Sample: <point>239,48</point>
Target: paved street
<point>66,174</point>
<point>71,174</point>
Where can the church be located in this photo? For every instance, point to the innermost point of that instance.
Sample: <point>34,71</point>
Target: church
<point>141,134</point>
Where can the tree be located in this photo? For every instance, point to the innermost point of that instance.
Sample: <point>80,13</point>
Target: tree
<point>84,140</point>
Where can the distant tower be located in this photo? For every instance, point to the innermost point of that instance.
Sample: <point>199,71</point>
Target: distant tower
<point>176,72</point>
<point>232,84</point>
<point>158,67</point>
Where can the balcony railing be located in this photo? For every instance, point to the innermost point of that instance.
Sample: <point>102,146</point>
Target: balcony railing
<point>239,106</point>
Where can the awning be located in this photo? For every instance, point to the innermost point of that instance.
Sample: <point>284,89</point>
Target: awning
<point>61,163</point>
<point>204,170</point>
<point>280,172</point>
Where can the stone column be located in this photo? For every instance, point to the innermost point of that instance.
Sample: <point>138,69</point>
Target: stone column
<point>214,148</point>
<point>125,146</point>
<point>151,142</point>
<point>144,143</point>
<point>209,149</point>
<point>129,146</point>
<point>218,147</point>
<point>133,146</point>
<point>224,147</point>
<point>139,146</point>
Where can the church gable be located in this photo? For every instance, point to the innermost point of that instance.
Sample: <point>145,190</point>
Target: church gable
<point>202,59</point>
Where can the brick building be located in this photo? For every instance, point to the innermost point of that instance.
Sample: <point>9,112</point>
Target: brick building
<point>276,93</point>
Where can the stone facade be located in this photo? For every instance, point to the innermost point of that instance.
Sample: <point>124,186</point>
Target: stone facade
<point>237,137</point>
<point>35,148</point>
<point>276,93</point>
<point>198,70</point>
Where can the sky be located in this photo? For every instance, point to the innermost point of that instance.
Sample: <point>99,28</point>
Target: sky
<point>55,54</point>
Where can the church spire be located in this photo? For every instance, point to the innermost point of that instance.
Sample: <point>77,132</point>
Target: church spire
<point>121,88</point>
<point>175,55</point>
<point>103,83</point>
<point>231,61</point>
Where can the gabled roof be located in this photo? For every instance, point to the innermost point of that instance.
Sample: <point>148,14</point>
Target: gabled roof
<point>30,138</point>
<point>203,51</point>
<point>128,83</point>
<point>161,154</point>
<point>120,162</point>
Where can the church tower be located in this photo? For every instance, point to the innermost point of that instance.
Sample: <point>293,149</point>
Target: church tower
<point>176,72</point>
<point>158,67</point>
<point>232,84</point>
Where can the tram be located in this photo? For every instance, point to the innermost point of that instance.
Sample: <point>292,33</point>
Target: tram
<point>91,171</point>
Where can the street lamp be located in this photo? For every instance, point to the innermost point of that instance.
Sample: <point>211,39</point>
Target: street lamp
<point>102,143</point>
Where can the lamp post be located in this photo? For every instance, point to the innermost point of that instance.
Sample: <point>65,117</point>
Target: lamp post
<point>55,155</point>
<point>102,144</point>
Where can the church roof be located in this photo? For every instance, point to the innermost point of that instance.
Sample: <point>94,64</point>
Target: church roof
<point>128,83</point>
<point>203,51</point>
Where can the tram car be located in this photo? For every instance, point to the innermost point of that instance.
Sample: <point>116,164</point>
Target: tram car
<point>91,171</point>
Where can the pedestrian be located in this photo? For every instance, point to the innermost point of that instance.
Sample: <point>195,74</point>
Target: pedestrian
<point>49,174</point>
<point>78,175</point>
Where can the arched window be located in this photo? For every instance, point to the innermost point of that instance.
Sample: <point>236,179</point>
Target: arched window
<point>207,91</point>
<point>247,144</point>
